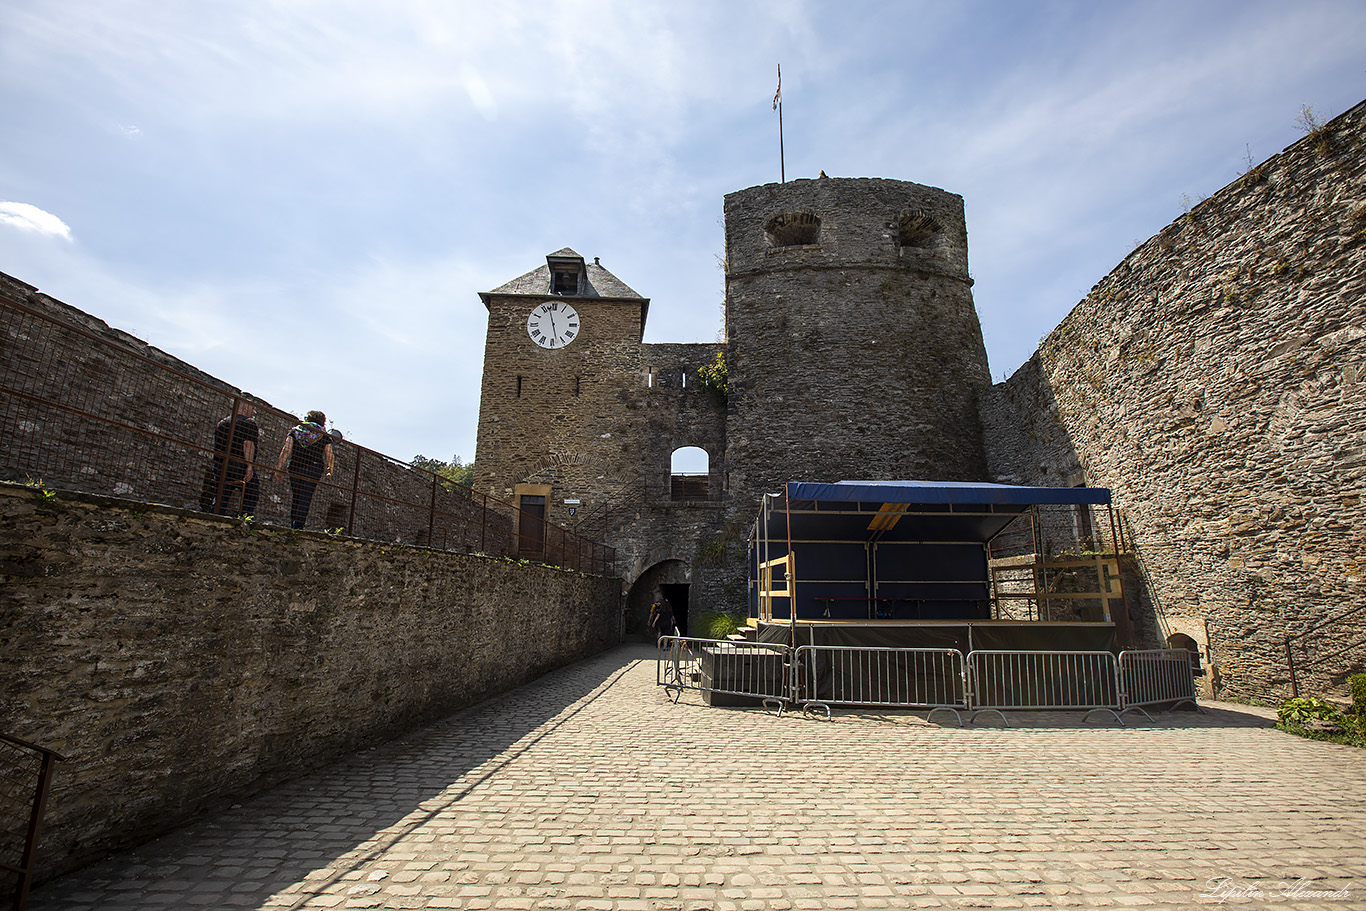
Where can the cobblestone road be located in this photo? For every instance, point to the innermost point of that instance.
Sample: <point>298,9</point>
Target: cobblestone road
<point>589,790</point>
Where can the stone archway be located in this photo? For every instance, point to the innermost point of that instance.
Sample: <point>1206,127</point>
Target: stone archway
<point>1182,641</point>
<point>668,579</point>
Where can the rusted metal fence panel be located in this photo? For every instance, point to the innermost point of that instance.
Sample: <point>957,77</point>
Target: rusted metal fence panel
<point>85,407</point>
<point>25,775</point>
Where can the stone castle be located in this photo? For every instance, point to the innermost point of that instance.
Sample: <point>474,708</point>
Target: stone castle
<point>1211,381</point>
<point>1215,381</point>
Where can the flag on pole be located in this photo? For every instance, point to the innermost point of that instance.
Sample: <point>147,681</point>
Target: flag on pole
<point>778,106</point>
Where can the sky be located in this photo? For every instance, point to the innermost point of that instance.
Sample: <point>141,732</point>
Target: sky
<point>304,198</point>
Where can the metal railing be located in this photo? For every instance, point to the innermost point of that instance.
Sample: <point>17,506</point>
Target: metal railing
<point>915,678</point>
<point>986,680</point>
<point>1316,648</point>
<point>25,776</point>
<point>746,672</point>
<point>85,407</point>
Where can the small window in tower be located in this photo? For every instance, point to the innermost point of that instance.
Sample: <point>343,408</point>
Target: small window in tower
<point>792,229</point>
<point>689,474</point>
<point>519,387</point>
<point>578,385</point>
<point>916,229</point>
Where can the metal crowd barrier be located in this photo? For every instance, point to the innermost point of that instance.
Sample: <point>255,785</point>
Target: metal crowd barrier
<point>726,672</point>
<point>989,680</point>
<point>916,678</point>
<point>1008,679</point>
<point>1155,677</point>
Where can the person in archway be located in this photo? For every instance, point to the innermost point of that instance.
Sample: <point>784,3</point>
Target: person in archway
<point>662,619</point>
<point>308,453</point>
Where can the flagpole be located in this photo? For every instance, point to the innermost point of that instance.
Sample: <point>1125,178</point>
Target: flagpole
<point>778,100</point>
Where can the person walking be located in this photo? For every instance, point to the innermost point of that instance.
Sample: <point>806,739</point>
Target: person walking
<point>662,619</point>
<point>307,454</point>
<point>231,471</point>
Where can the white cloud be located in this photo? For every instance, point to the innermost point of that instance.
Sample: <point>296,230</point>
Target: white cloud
<point>479,93</point>
<point>25,217</point>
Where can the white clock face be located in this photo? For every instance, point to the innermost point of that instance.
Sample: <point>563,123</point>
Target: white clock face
<point>553,324</point>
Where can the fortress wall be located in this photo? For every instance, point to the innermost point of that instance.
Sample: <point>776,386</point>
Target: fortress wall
<point>680,412</point>
<point>647,526</point>
<point>1216,382</point>
<point>180,661</point>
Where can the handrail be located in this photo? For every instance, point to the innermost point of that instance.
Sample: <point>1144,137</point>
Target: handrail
<point>35,805</point>
<point>1305,665</point>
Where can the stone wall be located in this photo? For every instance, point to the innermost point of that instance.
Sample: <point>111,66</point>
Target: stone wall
<point>660,540</point>
<point>180,661</point>
<point>1215,382</point>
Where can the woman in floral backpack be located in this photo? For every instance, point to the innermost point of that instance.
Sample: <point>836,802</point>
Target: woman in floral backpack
<point>308,452</point>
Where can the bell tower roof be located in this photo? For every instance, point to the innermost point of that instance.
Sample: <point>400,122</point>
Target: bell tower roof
<point>566,274</point>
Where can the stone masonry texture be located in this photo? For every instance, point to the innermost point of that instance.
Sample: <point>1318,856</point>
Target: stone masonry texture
<point>853,355</point>
<point>1215,382</point>
<point>597,421</point>
<point>179,660</point>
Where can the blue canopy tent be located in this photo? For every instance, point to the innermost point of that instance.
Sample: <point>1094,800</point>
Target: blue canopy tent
<point>892,555</point>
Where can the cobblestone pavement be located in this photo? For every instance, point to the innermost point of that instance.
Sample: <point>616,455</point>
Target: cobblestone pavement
<point>589,790</point>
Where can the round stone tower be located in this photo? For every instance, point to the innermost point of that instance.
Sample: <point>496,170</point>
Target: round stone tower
<point>854,348</point>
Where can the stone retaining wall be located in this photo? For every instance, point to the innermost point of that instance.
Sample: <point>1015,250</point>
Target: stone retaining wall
<point>180,661</point>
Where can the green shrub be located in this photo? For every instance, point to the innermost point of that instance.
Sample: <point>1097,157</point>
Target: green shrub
<point>717,624</point>
<point>714,378</point>
<point>1302,711</point>
<point>1320,720</point>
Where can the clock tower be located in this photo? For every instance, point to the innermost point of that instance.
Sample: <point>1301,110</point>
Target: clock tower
<point>559,406</point>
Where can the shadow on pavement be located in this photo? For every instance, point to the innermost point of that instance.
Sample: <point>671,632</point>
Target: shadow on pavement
<point>349,813</point>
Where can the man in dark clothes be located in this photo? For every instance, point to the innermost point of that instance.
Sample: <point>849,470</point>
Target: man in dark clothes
<point>232,472</point>
<point>662,618</point>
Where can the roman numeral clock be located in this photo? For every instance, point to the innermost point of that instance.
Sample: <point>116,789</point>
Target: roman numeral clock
<point>553,324</point>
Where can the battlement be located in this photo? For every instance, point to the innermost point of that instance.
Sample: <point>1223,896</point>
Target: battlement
<point>846,222</point>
